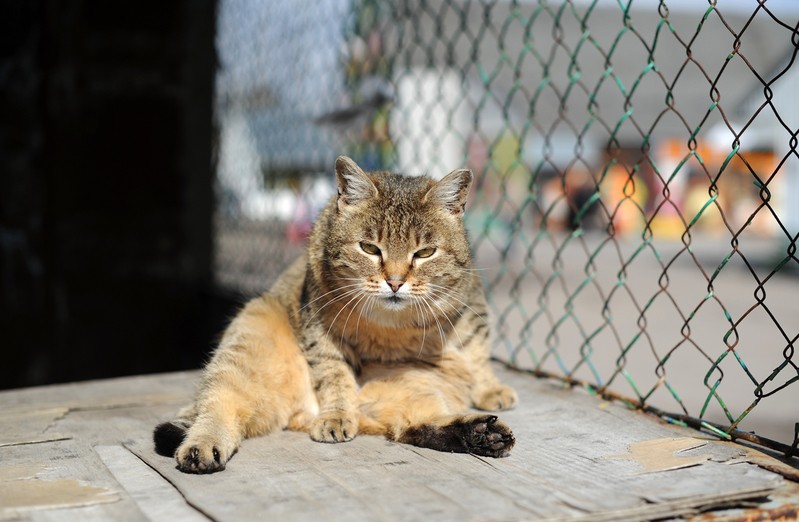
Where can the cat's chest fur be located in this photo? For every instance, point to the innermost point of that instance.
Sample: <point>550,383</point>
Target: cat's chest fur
<point>373,336</point>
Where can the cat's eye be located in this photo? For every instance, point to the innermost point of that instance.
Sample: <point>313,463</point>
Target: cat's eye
<point>425,252</point>
<point>370,249</point>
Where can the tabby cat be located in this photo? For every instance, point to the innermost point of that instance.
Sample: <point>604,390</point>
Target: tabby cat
<point>381,328</point>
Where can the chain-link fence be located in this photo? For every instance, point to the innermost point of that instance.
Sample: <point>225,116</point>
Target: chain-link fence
<point>635,164</point>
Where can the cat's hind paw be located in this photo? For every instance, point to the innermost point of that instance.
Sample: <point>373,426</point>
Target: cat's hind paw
<point>478,434</point>
<point>486,436</point>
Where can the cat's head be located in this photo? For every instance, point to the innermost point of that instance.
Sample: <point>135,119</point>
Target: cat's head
<point>398,243</point>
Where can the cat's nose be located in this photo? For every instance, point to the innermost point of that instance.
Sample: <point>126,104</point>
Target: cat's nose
<point>395,284</point>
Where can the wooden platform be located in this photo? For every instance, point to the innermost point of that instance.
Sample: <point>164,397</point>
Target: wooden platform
<point>84,452</point>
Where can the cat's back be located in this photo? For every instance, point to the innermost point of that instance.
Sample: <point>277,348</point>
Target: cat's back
<point>288,287</point>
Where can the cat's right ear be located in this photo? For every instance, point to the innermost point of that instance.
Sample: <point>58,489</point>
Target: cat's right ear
<point>354,185</point>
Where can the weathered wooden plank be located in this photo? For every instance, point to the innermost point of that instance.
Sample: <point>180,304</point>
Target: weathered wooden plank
<point>109,393</point>
<point>69,466</point>
<point>28,427</point>
<point>154,496</point>
<point>560,468</point>
<point>573,461</point>
<point>58,480</point>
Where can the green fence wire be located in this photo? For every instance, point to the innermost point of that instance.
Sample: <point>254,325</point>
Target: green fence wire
<point>636,162</point>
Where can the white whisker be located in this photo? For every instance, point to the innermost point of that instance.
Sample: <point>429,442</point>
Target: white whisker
<point>337,298</point>
<point>420,314</point>
<point>326,293</point>
<point>367,308</point>
<point>438,324</point>
<point>446,292</point>
<point>363,296</point>
<point>460,341</point>
<point>358,293</point>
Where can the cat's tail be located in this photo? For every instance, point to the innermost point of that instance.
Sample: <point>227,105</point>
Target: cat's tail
<point>168,436</point>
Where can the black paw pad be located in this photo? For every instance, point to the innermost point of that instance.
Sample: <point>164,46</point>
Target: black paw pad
<point>488,437</point>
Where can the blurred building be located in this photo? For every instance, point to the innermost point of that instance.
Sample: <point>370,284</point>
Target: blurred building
<point>495,87</point>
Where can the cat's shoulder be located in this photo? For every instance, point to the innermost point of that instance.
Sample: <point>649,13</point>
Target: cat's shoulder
<point>288,287</point>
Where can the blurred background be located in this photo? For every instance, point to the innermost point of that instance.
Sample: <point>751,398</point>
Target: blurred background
<point>633,215</point>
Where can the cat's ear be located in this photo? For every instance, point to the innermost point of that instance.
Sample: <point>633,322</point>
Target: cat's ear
<point>354,184</point>
<point>451,191</point>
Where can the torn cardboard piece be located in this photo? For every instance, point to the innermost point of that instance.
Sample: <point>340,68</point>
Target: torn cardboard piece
<point>49,494</point>
<point>663,454</point>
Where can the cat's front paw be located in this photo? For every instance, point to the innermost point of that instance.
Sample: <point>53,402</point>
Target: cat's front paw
<point>334,426</point>
<point>203,454</point>
<point>500,397</point>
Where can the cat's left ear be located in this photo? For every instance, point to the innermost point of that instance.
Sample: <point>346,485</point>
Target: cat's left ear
<point>354,185</point>
<point>451,191</point>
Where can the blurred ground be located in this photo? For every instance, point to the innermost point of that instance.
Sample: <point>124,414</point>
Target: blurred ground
<point>547,305</point>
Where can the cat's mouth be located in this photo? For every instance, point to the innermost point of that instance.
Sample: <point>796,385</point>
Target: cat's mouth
<point>394,302</point>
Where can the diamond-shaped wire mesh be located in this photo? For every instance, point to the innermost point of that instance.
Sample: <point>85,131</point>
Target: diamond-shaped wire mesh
<point>636,164</point>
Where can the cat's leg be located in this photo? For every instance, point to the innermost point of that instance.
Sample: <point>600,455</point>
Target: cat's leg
<point>256,383</point>
<point>486,392</point>
<point>478,434</point>
<point>214,436</point>
<point>471,341</point>
<point>336,390</point>
<point>421,407</point>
